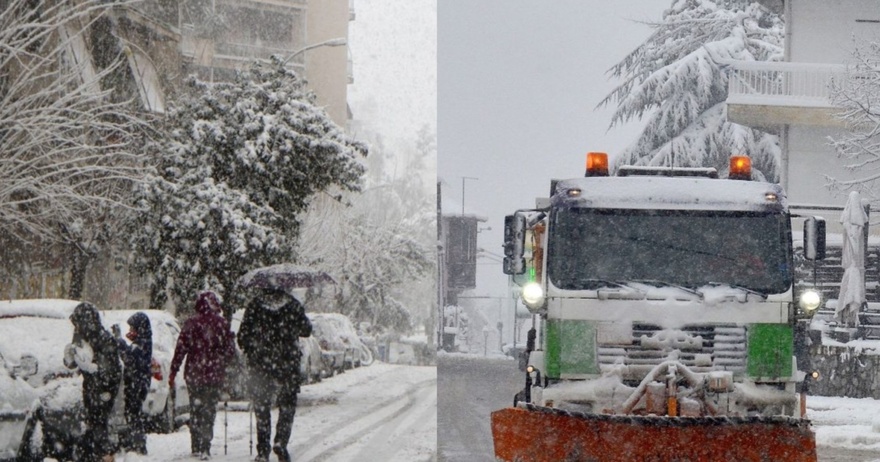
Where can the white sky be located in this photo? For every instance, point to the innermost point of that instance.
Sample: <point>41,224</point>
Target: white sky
<point>394,54</point>
<point>517,87</point>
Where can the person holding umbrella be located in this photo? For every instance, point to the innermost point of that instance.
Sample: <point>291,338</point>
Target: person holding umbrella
<point>208,345</point>
<point>269,338</point>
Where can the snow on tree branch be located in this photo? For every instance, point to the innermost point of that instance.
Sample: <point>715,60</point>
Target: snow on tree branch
<point>675,81</point>
<point>68,151</point>
<point>858,97</point>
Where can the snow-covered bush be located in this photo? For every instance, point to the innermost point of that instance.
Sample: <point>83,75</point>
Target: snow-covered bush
<point>241,162</point>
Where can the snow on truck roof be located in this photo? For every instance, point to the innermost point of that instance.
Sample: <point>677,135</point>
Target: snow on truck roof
<point>673,193</point>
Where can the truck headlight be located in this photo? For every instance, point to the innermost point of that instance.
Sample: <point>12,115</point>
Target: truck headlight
<point>810,301</point>
<point>533,295</point>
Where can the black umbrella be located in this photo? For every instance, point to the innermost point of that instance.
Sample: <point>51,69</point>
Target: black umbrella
<point>284,276</point>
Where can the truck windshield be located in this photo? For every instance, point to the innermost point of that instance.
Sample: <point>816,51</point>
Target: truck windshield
<point>686,248</point>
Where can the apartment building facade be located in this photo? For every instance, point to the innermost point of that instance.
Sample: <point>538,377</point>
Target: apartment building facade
<point>793,98</point>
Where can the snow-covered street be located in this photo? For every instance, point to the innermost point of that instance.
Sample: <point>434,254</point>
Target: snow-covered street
<point>381,412</point>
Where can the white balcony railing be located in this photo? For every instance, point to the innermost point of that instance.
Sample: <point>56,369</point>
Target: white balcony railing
<point>783,83</point>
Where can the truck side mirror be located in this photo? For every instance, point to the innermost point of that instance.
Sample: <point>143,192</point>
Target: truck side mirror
<point>814,238</point>
<point>514,243</point>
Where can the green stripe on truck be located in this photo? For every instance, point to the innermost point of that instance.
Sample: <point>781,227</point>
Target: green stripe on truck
<point>571,348</point>
<point>770,350</point>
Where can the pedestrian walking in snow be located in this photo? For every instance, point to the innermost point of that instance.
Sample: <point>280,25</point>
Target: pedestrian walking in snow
<point>136,359</point>
<point>95,353</point>
<point>207,345</point>
<point>269,337</point>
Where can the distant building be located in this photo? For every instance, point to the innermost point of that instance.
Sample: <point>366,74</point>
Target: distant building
<point>220,36</point>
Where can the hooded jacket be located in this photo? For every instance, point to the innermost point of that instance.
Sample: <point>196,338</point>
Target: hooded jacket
<point>104,370</point>
<point>206,343</point>
<point>270,332</point>
<point>137,357</point>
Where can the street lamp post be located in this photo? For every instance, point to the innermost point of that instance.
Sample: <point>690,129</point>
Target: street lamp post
<point>336,42</point>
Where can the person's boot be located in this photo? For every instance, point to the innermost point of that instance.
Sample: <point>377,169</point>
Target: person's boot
<point>281,452</point>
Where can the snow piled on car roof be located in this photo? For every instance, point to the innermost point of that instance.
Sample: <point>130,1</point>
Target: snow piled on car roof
<point>44,308</point>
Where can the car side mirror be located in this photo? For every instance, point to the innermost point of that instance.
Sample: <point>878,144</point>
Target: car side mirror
<point>27,366</point>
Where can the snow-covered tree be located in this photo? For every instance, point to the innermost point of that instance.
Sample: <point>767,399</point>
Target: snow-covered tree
<point>858,96</point>
<point>676,81</point>
<point>380,249</point>
<point>240,164</point>
<point>69,151</point>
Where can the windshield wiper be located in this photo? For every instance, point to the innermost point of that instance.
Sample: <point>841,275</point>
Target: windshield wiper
<point>739,287</point>
<point>661,283</point>
<point>606,284</point>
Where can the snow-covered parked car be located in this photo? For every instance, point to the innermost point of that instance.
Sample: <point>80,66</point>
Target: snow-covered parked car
<point>36,386</point>
<point>339,341</point>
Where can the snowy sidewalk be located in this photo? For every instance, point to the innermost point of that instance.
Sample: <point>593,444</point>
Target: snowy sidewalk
<point>383,410</point>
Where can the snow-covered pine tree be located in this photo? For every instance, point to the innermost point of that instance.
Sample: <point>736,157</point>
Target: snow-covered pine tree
<point>674,80</point>
<point>858,96</point>
<point>240,165</point>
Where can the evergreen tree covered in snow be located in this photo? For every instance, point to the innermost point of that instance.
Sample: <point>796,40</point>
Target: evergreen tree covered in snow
<point>859,97</point>
<point>675,80</point>
<point>241,163</point>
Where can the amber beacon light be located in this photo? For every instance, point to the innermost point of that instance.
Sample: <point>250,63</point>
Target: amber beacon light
<point>740,168</point>
<point>597,164</point>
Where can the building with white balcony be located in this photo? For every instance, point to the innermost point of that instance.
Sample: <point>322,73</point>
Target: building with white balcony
<point>792,98</point>
<point>221,36</point>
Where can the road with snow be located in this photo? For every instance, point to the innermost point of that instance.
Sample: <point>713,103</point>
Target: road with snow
<point>379,412</point>
<point>471,387</point>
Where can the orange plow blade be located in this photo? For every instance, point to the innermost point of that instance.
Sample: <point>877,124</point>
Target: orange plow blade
<point>545,434</point>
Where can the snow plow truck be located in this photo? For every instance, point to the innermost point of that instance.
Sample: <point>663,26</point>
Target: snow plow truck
<point>664,319</point>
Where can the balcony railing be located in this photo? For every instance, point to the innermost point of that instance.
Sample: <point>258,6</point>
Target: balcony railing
<point>783,83</point>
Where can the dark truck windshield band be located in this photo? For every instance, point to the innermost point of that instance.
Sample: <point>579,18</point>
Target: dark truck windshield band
<point>687,248</point>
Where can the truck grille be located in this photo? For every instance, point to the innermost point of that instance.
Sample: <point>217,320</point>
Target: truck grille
<point>701,348</point>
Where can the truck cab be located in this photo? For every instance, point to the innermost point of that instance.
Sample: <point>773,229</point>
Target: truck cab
<point>656,273</point>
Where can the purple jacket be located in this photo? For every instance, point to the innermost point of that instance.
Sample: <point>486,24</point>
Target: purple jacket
<point>207,344</point>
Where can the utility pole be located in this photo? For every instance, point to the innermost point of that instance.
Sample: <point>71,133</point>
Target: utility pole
<point>441,280</point>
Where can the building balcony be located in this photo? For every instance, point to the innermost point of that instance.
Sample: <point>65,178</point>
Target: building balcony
<point>768,94</point>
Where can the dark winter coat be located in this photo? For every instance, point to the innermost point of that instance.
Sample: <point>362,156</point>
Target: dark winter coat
<point>270,332</point>
<point>207,344</point>
<point>137,358</point>
<point>87,328</point>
